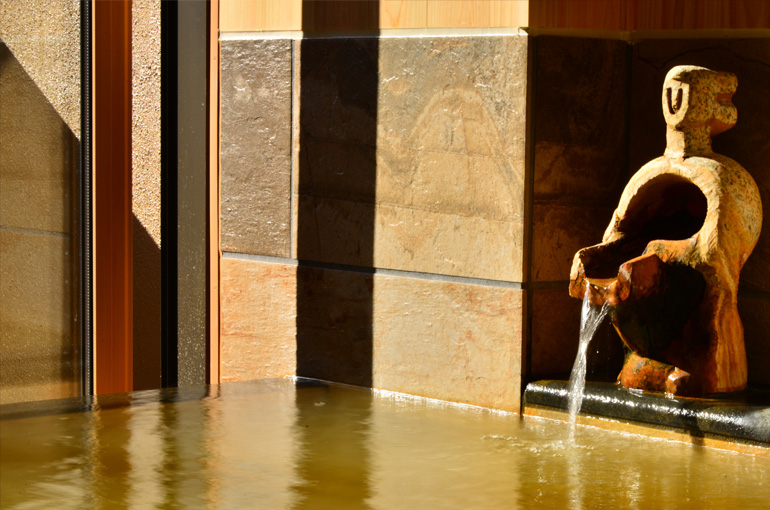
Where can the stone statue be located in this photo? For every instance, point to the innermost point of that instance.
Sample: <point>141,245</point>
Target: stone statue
<point>669,263</point>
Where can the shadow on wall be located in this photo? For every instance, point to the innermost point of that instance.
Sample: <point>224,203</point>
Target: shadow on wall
<point>336,195</point>
<point>147,300</point>
<point>39,277</point>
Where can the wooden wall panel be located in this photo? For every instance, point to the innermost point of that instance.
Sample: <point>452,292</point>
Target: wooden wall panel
<point>578,14</point>
<point>458,13</point>
<point>320,15</point>
<point>697,14</point>
<point>335,15</point>
<point>509,13</point>
<point>259,15</point>
<point>403,14</point>
<point>649,14</point>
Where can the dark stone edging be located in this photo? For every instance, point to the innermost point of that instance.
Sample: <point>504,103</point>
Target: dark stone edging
<point>745,416</point>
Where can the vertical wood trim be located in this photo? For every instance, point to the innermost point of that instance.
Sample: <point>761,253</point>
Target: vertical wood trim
<point>112,226</point>
<point>213,194</point>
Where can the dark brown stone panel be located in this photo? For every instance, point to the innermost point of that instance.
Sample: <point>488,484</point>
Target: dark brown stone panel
<point>555,338</point>
<point>755,315</point>
<point>255,146</point>
<point>748,142</point>
<point>558,232</point>
<point>580,120</point>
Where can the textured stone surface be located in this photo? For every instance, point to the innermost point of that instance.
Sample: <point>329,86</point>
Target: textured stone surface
<point>45,38</point>
<point>442,340</point>
<point>256,146</point>
<point>448,341</point>
<point>39,156</point>
<point>38,161</point>
<point>580,121</point>
<point>747,143</point>
<point>258,325</point>
<point>36,345</point>
<point>447,118</point>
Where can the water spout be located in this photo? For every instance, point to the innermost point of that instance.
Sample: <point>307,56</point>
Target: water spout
<point>590,317</point>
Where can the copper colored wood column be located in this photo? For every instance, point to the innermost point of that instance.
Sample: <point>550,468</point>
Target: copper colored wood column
<point>112,231</point>
<point>213,194</point>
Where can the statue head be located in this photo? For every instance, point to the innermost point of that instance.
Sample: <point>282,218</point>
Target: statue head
<point>695,97</point>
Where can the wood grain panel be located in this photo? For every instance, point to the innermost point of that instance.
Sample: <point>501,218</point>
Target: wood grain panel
<point>458,13</point>
<point>112,218</point>
<point>336,15</point>
<point>509,13</point>
<point>259,15</point>
<point>580,14</point>
<point>697,14</point>
<point>403,13</point>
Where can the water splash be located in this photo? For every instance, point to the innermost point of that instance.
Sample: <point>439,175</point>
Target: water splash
<point>590,318</point>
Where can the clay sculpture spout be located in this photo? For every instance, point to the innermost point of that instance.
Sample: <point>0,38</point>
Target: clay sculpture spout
<point>670,260</point>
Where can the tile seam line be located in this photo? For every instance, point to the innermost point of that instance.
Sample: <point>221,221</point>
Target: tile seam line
<point>468,280</point>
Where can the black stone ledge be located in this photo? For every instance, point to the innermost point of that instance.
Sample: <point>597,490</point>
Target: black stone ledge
<point>744,416</point>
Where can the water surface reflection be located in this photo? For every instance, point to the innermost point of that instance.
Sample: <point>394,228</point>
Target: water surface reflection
<point>274,444</point>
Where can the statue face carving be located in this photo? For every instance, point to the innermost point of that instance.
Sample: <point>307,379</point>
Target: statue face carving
<point>696,96</point>
<point>670,260</point>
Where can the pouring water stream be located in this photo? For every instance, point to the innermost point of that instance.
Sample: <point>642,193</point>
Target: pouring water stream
<point>590,318</point>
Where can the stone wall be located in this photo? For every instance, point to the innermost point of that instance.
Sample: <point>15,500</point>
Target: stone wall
<point>402,212</point>
<point>385,228</point>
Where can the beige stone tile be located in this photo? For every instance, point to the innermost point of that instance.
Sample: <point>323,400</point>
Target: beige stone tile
<point>255,146</point>
<point>452,244</point>
<point>747,143</point>
<point>258,314</point>
<point>449,341</point>
<point>444,340</point>
<point>580,121</point>
<point>398,237</point>
<point>36,280</point>
<point>558,232</point>
<point>448,119</point>
<point>755,315</point>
